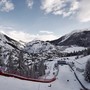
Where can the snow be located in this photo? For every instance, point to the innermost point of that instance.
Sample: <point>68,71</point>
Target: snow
<point>75,31</point>
<point>66,79</point>
<point>51,69</point>
<point>74,48</point>
<point>81,64</point>
<point>4,42</point>
<point>65,73</point>
<point>16,84</point>
<point>38,46</point>
<point>61,83</point>
<point>69,49</point>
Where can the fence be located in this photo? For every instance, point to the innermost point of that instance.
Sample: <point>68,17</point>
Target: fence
<point>28,79</point>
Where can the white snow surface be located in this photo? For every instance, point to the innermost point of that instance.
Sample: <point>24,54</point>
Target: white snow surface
<point>69,49</point>
<point>61,83</point>
<point>79,63</point>
<point>74,48</point>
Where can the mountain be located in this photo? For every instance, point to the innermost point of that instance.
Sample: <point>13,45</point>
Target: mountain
<point>8,42</point>
<point>26,61</point>
<point>38,46</point>
<point>39,59</point>
<point>42,49</point>
<point>9,51</point>
<point>78,38</point>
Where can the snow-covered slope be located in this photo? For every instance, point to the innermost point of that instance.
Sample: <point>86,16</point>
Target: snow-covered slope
<point>77,37</point>
<point>9,43</point>
<point>38,53</point>
<point>11,54</point>
<point>38,46</point>
<point>66,79</point>
<point>8,48</point>
<point>74,32</point>
<point>79,67</point>
<point>73,49</point>
<point>22,61</point>
<point>43,50</point>
<point>61,83</point>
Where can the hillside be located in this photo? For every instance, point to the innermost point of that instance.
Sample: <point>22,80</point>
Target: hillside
<point>65,79</point>
<point>8,42</point>
<point>15,59</point>
<point>78,38</point>
<point>27,61</point>
<point>39,60</point>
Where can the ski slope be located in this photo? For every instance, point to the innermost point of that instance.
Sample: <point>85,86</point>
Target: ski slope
<point>61,83</point>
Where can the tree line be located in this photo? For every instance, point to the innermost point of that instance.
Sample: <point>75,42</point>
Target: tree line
<point>21,63</point>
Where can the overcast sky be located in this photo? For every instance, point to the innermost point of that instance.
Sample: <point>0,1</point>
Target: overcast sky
<point>43,19</point>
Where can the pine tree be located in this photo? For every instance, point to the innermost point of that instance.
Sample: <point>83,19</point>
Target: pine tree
<point>21,66</point>
<point>87,71</point>
<point>41,68</point>
<point>1,61</point>
<point>10,62</point>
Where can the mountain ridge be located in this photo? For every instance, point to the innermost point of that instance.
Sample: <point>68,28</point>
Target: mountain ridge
<point>79,38</point>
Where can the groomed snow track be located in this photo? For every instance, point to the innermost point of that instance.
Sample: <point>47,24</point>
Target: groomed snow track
<point>28,79</point>
<point>78,79</point>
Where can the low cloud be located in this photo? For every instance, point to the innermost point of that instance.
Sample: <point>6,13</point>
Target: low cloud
<point>46,32</point>
<point>29,3</point>
<point>6,5</point>
<point>26,37</point>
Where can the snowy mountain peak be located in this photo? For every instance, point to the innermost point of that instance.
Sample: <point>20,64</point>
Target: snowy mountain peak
<point>8,42</point>
<point>2,37</point>
<point>75,32</point>
<point>77,37</point>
